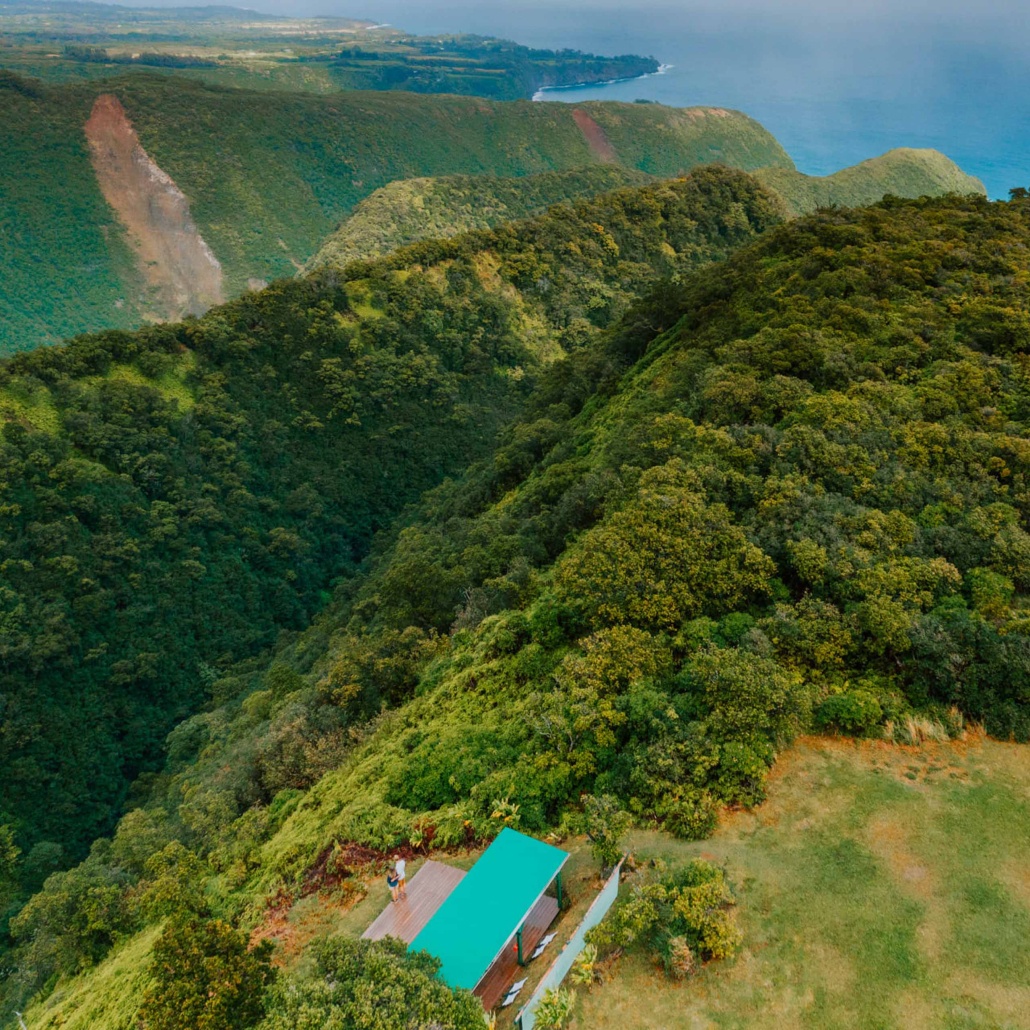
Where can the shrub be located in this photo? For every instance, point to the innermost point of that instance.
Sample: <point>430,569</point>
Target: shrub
<point>915,729</point>
<point>584,969</point>
<point>680,961</point>
<point>371,985</point>
<point>693,817</point>
<point>605,823</point>
<point>855,712</point>
<point>554,1011</point>
<point>205,978</point>
<point>173,884</point>
<point>679,918</point>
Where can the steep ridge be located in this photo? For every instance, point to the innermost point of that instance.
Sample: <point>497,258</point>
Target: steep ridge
<point>269,175</point>
<point>410,210</point>
<point>184,276</point>
<point>803,496</point>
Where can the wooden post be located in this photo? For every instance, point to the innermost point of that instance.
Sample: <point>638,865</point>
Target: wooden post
<point>518,940</point>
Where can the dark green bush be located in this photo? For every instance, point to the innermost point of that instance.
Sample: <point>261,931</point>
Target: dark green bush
<point>854,712</point>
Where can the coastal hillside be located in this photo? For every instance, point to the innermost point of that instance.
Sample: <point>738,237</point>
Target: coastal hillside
<point>786,493</point>
<point>251,183</point>
<point>228,46</point>
<point>414,209</point>
<point>902,173</point>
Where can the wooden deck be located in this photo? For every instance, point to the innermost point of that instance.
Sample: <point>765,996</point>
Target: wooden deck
<point>427,891</point>
<point>506,969</point>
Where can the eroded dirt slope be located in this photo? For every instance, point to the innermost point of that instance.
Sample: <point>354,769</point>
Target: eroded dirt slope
<point>595,136</point>
<point>184,276</point>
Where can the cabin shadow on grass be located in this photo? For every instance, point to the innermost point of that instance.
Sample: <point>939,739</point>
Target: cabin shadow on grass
<point>879,886</point>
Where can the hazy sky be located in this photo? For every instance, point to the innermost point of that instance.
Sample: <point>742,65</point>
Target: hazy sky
<point>562,22</point>
<point>853,11</point>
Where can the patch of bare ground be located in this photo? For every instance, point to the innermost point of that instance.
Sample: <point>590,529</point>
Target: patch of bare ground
<point>1009,1003</point>
<point>887,838</point>
<point>600,145</point>
<point>332,886</point>
<point>183,274</point>
<point>914,764</point>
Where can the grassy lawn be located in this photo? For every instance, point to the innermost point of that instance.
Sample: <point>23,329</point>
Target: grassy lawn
<point>879,887</point>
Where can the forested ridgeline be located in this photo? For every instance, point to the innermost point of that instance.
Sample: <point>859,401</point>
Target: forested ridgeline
<point>410,210</point>
<point>415,209</point>
<point>903,172</point>
<point>269,175</point>
<point>788,492</point>
<point>176,497</point>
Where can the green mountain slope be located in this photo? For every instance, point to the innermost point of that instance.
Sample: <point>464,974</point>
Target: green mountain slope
<point>789,491</point>
<point>414,209</point>
<point>174,498</point>
<point>410,210</point>
<point>903,173</point>
<point>268,176</point>
<point>768,512</point>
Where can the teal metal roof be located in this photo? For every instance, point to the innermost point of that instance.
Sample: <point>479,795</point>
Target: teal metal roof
<point>480,917</point>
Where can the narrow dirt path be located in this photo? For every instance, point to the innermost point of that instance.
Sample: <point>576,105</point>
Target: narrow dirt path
<point>184,275</point>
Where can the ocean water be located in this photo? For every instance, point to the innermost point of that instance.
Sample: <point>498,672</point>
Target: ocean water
<point>836,82</point>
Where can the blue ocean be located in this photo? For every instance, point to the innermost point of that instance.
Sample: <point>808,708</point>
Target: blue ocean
<point>835,82</point>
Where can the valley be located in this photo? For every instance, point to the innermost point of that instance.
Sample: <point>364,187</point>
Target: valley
<point>268,176</point>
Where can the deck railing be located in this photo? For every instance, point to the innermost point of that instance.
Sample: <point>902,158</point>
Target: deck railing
<point>560,967</point>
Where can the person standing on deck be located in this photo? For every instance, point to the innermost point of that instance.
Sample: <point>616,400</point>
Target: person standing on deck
<point>392,881</point>
<point>402,874</point>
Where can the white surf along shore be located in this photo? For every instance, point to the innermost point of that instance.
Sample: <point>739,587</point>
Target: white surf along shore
<point>542,94</point>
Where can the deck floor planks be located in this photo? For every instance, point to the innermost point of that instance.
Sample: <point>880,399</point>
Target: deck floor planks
<point>502,974</point>
<point>427,891</point>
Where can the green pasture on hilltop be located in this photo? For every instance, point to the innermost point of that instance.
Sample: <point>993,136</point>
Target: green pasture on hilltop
<point>878,887</point>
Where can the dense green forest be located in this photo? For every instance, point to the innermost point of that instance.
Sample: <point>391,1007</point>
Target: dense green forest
<point>174,499</point>
<point>411,210</point>
<point>269,175</point>
<point>782,492</point>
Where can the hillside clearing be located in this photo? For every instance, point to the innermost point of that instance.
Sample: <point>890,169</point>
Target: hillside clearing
<point>879,886</point>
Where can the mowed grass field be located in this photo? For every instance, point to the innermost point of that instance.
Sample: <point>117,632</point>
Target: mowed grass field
<point>878,887</point>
